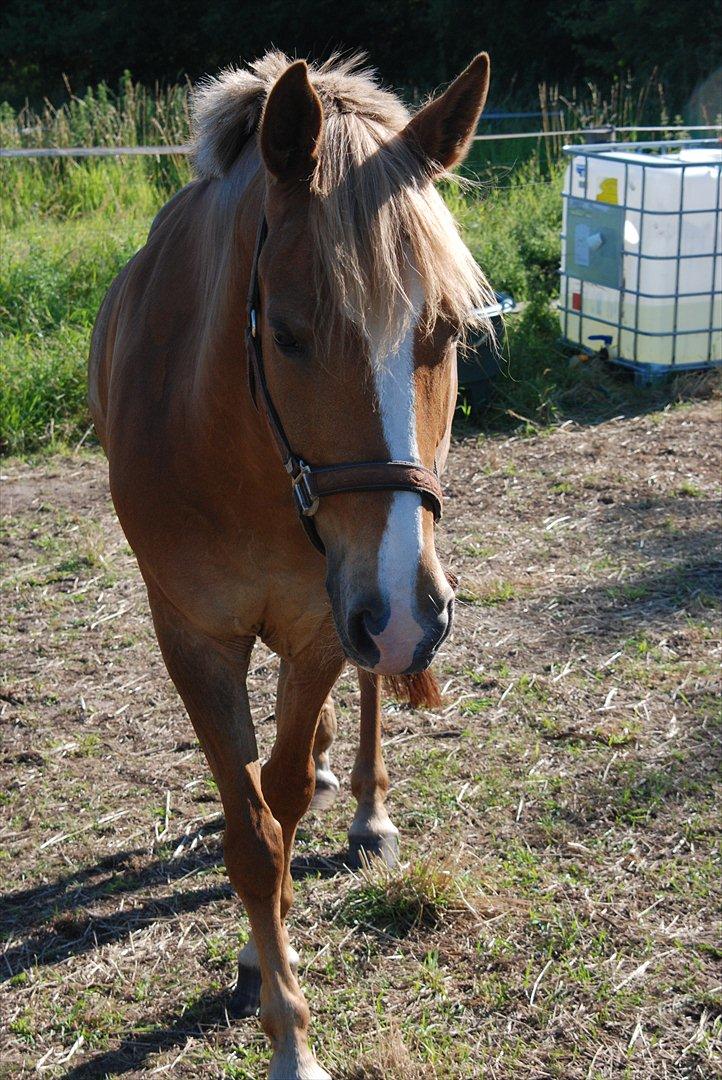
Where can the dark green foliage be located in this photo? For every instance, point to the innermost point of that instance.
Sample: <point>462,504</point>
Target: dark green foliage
<point>414,43</point>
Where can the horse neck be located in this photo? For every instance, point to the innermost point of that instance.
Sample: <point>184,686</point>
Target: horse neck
<point>225,243</point>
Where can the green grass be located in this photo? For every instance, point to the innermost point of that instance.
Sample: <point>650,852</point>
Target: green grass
<point>53,275</point>
<point>512,228</point>
<point>134,116</point>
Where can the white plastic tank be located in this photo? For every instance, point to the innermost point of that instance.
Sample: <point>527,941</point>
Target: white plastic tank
<point>641,267</point>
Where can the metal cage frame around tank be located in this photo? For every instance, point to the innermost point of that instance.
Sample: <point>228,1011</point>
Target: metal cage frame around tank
<point>616,152</point>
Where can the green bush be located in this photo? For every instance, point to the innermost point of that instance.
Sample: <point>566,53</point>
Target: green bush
<point>513,229</point>
<point>70,225</point>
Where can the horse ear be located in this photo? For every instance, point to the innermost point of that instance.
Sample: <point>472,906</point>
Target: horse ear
<point>291,126</point>
<point>444,129</point>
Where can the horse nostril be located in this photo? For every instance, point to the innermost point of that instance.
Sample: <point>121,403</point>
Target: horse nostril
<point>358,631</point>
<point>438,628</point>
<point>363,624</point>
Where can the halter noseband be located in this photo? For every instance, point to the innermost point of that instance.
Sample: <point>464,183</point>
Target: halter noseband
<point>310,484</point>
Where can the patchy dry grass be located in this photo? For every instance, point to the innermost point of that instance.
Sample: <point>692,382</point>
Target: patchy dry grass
<point>558,910</point>
<point>410,896</point>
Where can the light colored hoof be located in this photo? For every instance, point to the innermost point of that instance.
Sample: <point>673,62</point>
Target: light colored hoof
<point>327,788</point>
<point>288,1067</point>
<point>365,845</point>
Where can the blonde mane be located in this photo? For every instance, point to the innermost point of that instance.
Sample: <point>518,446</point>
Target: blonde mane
<point>376,218</point>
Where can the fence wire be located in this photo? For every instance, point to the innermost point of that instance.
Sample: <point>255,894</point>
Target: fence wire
<point>609,131</point>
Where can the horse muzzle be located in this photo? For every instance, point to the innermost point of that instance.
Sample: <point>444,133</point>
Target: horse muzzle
<point>393,638</point>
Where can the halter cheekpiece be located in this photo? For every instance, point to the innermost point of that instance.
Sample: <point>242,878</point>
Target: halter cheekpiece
<point>312,483</point>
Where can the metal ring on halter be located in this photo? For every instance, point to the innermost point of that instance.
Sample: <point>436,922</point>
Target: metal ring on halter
<point>306,502</point>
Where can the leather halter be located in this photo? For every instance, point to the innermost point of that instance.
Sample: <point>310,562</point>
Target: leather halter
<point>312,483</point>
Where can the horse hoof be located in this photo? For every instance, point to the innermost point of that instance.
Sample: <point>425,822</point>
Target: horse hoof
<point>289,1067</point>
<point>370,845</point>
<point>246,998</point>
<point>327,788</point>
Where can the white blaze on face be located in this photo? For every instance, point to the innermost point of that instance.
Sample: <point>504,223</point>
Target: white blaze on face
<point>401,544</point>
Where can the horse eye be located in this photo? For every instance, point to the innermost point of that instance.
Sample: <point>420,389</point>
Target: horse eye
<point>285,341</point>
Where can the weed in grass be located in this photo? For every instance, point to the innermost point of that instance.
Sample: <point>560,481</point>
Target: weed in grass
<point>640,797</point>
<point>530,691</point>
<point>520,865</point>
<point>628,592</point>
<point>76,564</point>
<point>498,593</point>
<point>616,734</point>
<point>481,678</point>
<point>88,745</point>
<point>688,490</point>
<point>24,1027</point>
<point>220,952</point>
<point>404,898</point>
<point>473,706</point>
<point>477,551</point>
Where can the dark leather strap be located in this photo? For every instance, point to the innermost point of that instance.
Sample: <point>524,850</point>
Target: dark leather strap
<point>310,484</point>
<point>378,476</point>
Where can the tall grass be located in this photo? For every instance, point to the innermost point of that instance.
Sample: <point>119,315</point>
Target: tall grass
<point>134,115</point>
<point>67,227</point>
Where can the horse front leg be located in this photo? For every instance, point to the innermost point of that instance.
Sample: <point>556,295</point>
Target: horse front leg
<point>372,830</point>
<point>211,679</point>
<point>288,780</point>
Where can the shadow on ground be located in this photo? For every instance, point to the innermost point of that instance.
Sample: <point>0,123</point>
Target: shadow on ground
<point>55,922</point>
<point>174,1029</point>
<point>614,609</point>
<point>593,393</point>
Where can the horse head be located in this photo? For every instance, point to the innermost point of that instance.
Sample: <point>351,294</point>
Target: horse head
<point>363,287</point>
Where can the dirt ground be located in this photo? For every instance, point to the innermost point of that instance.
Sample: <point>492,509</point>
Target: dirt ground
<point>567,794</point>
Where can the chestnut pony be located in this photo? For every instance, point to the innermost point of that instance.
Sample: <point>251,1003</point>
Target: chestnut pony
<point>315,200</point>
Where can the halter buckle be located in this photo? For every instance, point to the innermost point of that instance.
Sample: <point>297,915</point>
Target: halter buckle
<point>306,501</point>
